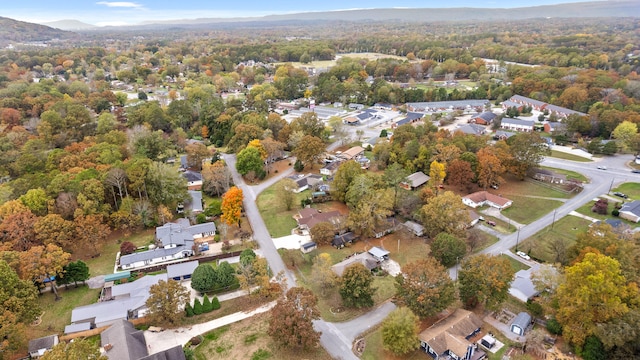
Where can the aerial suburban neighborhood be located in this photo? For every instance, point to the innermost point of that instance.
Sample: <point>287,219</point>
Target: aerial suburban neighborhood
<point>321,185</point>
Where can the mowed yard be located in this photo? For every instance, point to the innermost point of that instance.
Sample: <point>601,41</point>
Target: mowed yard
<point>563,233</point>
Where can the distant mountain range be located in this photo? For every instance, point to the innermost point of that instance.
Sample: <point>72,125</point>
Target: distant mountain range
<point>20,31</point>
<point>69,24</point>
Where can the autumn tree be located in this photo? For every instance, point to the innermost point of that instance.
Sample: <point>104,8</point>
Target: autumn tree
<point>490,168</point>
<point>338,129</point>
<point>322,233</point>
<point>309,150</point>
<point>484,280</point>
<point>356,288</point>
<point>36,200</point>
<point>216,178</point>
<point>447,249</point>
<point>285,192</point>
<point>53,229</point>
<point>17,231</point>
<point>528,150</point>
<point>394,174</point>
<point>343,178</point>
<point>593,294</point>
<point>444,213</point>
<point>400,331</point>
<point>249,160</point>
<point>19,303</point>
<point>291,322</point>
<point>626,133</point>
<point>91,232</point>
<point>196,153</point>
<point>77,349</point>
<point>322,274</point>
<point>40,263</point>
<point>436,174</point>
<point>166,302</point>
<point>425,287</point>
<point>165,186</point>
<point>232,206</point>
<point>460,174</point>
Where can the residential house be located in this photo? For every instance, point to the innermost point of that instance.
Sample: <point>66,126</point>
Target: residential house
<point>195,203</point>
<point>502,135</point>
<point>182,271</point>
<point>363,258</point>
<point>194,179</point>
<point>341,240</point>
<point>410,118</point>
<point>517,124</point>
<point>414,227</point>
<point>366,115</point>
<point>352,120</point>
<point>520,324</point>
<point>307,218</point>
<point>371,142</point>
<point>555,127</point>
<point>184,165</point>
<point>469,105</point>
<point>507,104</point>
<point>330,168</point>
<point>562,112</point>
<point>522,100</point>
<point>354,106</point>
<point>122,341</point>
<point>308,247</point>
<point>522,288</point>
<point>483,118</point>
<point>353,153</point>
<point>631,211</point>
<point>387,227</point>
<point>154,256</point>
<point>37,347</point>
<point>482,198</point>
<point>127,302</point>
<point>304,182</point>
<point>472,129</point>
<point>414,181</point>
<point>450,337</point>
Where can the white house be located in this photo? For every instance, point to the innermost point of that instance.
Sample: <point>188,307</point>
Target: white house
<point>631,211</point>
<point>482,198</point>
<point>415,228</point>
<point>517,124</point>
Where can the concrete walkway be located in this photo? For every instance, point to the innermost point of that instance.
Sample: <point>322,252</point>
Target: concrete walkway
<point>160,341</point>
<point>575,213</point>
<point>496,213</point>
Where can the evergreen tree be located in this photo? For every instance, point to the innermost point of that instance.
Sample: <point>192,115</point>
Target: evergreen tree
<point>189,310</point>
<point>197,307</point>
<point>206,305</point>
<point>215,303</point>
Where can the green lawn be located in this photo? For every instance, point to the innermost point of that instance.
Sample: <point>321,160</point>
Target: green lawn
<point>278,220</point>
<point>57,314</point>
<point>103,264</point>
<point>515,264</point>
<point>571,175</point>
<point>531,188</point>
<point>632,189</point>
<point>564,231</point>
<point>526,210</point>
<point>567,156</point>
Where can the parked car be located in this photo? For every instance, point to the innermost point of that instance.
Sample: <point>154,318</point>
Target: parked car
<point>602,167</point>
<point>523,255</point>
<point>636,171</point>
<point>492,223</point>
<point>619,194</point>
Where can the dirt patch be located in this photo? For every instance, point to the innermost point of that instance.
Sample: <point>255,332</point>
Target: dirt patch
<point>278,167</point>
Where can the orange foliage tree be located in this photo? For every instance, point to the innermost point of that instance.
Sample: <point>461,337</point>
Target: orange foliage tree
<point>232,206</point>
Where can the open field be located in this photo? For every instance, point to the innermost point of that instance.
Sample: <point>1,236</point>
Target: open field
<point>276,217</point>
<point>567,156</point>
<point>248,339</point>
<point>526,210</point>
<point>330,63</point>
<point>564,231</point>
<point>57,314</point>
<point>632,189</point>
<point>515,264</point>
<point>530,188</point>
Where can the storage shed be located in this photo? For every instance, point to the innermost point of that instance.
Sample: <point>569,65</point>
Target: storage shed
<point>520,323</point>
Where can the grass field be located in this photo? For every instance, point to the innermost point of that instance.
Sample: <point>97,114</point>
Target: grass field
<point>567,156</point>
<point>632,189</point>
<point>57,314</point>
<point>526,210</point>
<point>278,220</point>
<point>564,231</point>
<point>531,188</point>
<point>571,175</point>
<point>103,264</point>
<point>330,63</point>
<point>248,339</point>
<point>515,264</point>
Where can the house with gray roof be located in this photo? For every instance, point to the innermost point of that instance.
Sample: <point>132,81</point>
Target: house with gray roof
<point>415,180</point>
<point>414,227</point>
<point>450,337</point>
<point>503,135</point>
<point>631,211</point>
<point>483,118</point>
<point>194,179</point>
<point>39,346</point>
<point>122,341</point>
<point>523,100</point>
<point>182,271</point>
<point>195,202</point>
<point>520,324</point>
<point>472,129</point>
<point>364,258</point>
<point>154,256</point>
<point>522,288</point>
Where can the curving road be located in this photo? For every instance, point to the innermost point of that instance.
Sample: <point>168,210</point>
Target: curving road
<point>600,182</point>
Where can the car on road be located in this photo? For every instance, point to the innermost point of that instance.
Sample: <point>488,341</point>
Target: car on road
<point>523,255</point>
<point>492,223</point>
<point>619,194</point>
<point>636,171</point>
<point>602,167</point>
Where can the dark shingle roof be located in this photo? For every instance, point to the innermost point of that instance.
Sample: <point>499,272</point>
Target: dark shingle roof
<point>123,341</point>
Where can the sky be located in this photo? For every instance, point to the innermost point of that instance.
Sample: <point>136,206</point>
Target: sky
<point>103,13</point>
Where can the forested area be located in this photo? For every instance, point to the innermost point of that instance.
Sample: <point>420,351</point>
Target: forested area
<point>80,157</point>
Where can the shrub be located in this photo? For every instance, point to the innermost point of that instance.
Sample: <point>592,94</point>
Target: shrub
<point>189,310</point>
<point>260,354</point>
<point>127,248</point>
<point>197,307</point>
<point>196,340</point>
<point>298,166</point>
<point>615,212</point>
<point>201,218</point>
<point>215,303</point>
<point>534,308</point>
<point>554,327</point>
<point>206,305</point>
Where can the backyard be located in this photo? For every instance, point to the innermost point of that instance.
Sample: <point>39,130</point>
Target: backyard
<point>562,233</point>
<point>526,210</point>
<point>277,218</point>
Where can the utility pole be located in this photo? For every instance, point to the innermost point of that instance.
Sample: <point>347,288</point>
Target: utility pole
<point>517,239</point>
<point>554,218</point>
<point>611,186</point>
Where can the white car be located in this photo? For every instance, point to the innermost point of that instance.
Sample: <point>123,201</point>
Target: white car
<point>523,255</point>
<point>602,167</point>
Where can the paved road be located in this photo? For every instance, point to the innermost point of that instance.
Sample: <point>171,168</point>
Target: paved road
<point>352,328</point>
<point>600,182</point>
